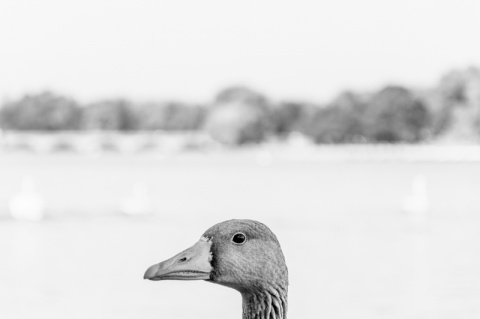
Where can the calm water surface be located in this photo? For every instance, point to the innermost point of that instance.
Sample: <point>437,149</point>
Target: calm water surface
<point>351,248</point>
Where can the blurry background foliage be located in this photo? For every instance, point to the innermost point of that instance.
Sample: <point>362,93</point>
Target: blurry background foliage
<point>114,115</point>
<point>239,116</point>
<point>41,112</point>
<point>449,111</point>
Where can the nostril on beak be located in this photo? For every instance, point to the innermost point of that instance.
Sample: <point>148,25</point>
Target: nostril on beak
<point>181,260</point>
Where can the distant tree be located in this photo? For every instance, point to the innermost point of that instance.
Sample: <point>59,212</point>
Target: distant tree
<point>341,121</point>
<point>45,111</point>
<point>241,94</point>
<point>170,116</point>
<point>439,115</point>
<point>110,115</point>
<point>395,115</point>
<point>457,106</point>
<point>459,86</point>
<point>449,94</point>
<point>238,116</point>
<point>287,117</point>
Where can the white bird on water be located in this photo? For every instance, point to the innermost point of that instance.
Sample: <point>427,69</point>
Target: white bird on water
<point>27,204</point>
<point>417,203</point>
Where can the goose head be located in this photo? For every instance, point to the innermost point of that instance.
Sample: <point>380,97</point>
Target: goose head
<point>241,254</point>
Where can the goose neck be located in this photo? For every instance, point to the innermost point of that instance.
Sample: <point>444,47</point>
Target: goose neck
<point>269,303</point>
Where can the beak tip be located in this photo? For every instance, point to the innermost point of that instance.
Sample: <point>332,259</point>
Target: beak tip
<point>151,272</point>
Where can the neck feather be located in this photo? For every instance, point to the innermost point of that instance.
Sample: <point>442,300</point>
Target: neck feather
<point>266,303</point>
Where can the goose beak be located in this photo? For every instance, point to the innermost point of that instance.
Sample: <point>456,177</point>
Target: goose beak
<point>191,264</point>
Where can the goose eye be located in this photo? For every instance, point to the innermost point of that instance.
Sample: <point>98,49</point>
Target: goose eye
<point>239,238</point>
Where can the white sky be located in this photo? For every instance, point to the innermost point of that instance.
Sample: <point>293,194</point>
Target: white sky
<point>189,49</point>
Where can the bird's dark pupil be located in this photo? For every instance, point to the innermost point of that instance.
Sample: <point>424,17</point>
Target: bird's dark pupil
<point>239,238</point>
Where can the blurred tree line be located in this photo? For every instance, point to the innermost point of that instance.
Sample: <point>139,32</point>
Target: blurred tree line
<point>240,115</point>
<point>48,111</point>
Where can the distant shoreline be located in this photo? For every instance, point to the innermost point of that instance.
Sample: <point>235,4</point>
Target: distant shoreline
<point>168,143</point>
